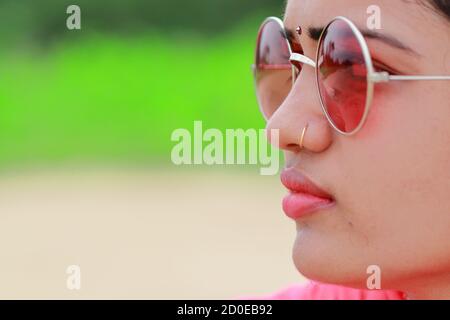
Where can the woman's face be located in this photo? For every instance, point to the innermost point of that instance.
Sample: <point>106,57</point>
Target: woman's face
<point>391,181</point>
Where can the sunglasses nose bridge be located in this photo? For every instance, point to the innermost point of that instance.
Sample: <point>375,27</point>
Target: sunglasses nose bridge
<point>298,59</point>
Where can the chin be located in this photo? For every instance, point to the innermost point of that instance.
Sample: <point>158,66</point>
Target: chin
<point>322,259</point>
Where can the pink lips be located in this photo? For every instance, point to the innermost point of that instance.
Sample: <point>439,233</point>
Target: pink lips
<point>305,197</point>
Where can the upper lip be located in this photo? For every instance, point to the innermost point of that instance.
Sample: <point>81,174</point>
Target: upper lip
<point>297,182</point>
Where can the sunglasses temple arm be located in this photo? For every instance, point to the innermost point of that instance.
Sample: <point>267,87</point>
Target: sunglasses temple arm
<point>385,77</point>
<point>406,78</point>
<point>375,77</point>
<point>297,57</point>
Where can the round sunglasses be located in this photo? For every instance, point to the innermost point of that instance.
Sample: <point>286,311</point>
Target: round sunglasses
<point>345,74</point>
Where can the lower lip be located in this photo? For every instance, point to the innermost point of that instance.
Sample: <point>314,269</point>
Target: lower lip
<point>298,205</point>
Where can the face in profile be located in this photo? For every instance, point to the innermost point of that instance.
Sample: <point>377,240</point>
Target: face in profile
<point>390,181</point>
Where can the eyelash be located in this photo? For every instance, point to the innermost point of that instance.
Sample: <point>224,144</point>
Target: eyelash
<point>380,66</point>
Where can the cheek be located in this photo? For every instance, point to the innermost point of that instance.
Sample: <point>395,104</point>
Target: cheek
<point>398,173</point>
<point>385,108</point>
<point>369,163</point>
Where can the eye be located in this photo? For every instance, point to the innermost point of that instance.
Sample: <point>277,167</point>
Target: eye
<point>382,67</point>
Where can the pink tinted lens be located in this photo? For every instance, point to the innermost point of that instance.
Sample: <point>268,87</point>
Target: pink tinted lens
<point>342,76</point>
<point>273,71</point>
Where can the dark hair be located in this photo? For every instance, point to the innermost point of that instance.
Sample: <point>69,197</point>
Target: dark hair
<point>442,6</point>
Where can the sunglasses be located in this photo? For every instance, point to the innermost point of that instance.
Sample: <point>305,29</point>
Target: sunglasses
<point>345,74</point>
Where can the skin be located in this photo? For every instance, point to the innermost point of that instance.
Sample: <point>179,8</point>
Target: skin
<point>391,181</point>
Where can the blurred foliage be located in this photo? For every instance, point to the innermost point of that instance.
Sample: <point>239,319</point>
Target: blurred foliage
<point>116,90</point>
<point>43,21</point>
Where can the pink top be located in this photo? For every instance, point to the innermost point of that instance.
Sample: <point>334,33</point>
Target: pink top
<point>320,291</point>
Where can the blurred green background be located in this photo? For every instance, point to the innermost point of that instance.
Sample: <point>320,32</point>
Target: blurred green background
<point>114,91</point>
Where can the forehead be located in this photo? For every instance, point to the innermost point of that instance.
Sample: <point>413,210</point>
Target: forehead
<point>407,20</point>
<point>398,13</point>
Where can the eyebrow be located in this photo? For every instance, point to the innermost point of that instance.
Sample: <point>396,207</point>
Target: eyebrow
<point>315,32</point>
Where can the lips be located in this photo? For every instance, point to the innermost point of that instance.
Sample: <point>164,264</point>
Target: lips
<point>304,196</point>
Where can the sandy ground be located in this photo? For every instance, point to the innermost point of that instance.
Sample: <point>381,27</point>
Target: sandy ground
<point>143,234</point>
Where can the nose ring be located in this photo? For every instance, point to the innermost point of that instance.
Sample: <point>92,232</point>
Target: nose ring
<point>303,137</point>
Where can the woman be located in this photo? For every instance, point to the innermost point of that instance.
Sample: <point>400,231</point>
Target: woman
<point>365,129</point>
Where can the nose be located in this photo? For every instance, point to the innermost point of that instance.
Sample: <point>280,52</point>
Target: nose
<point>300,108</point>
